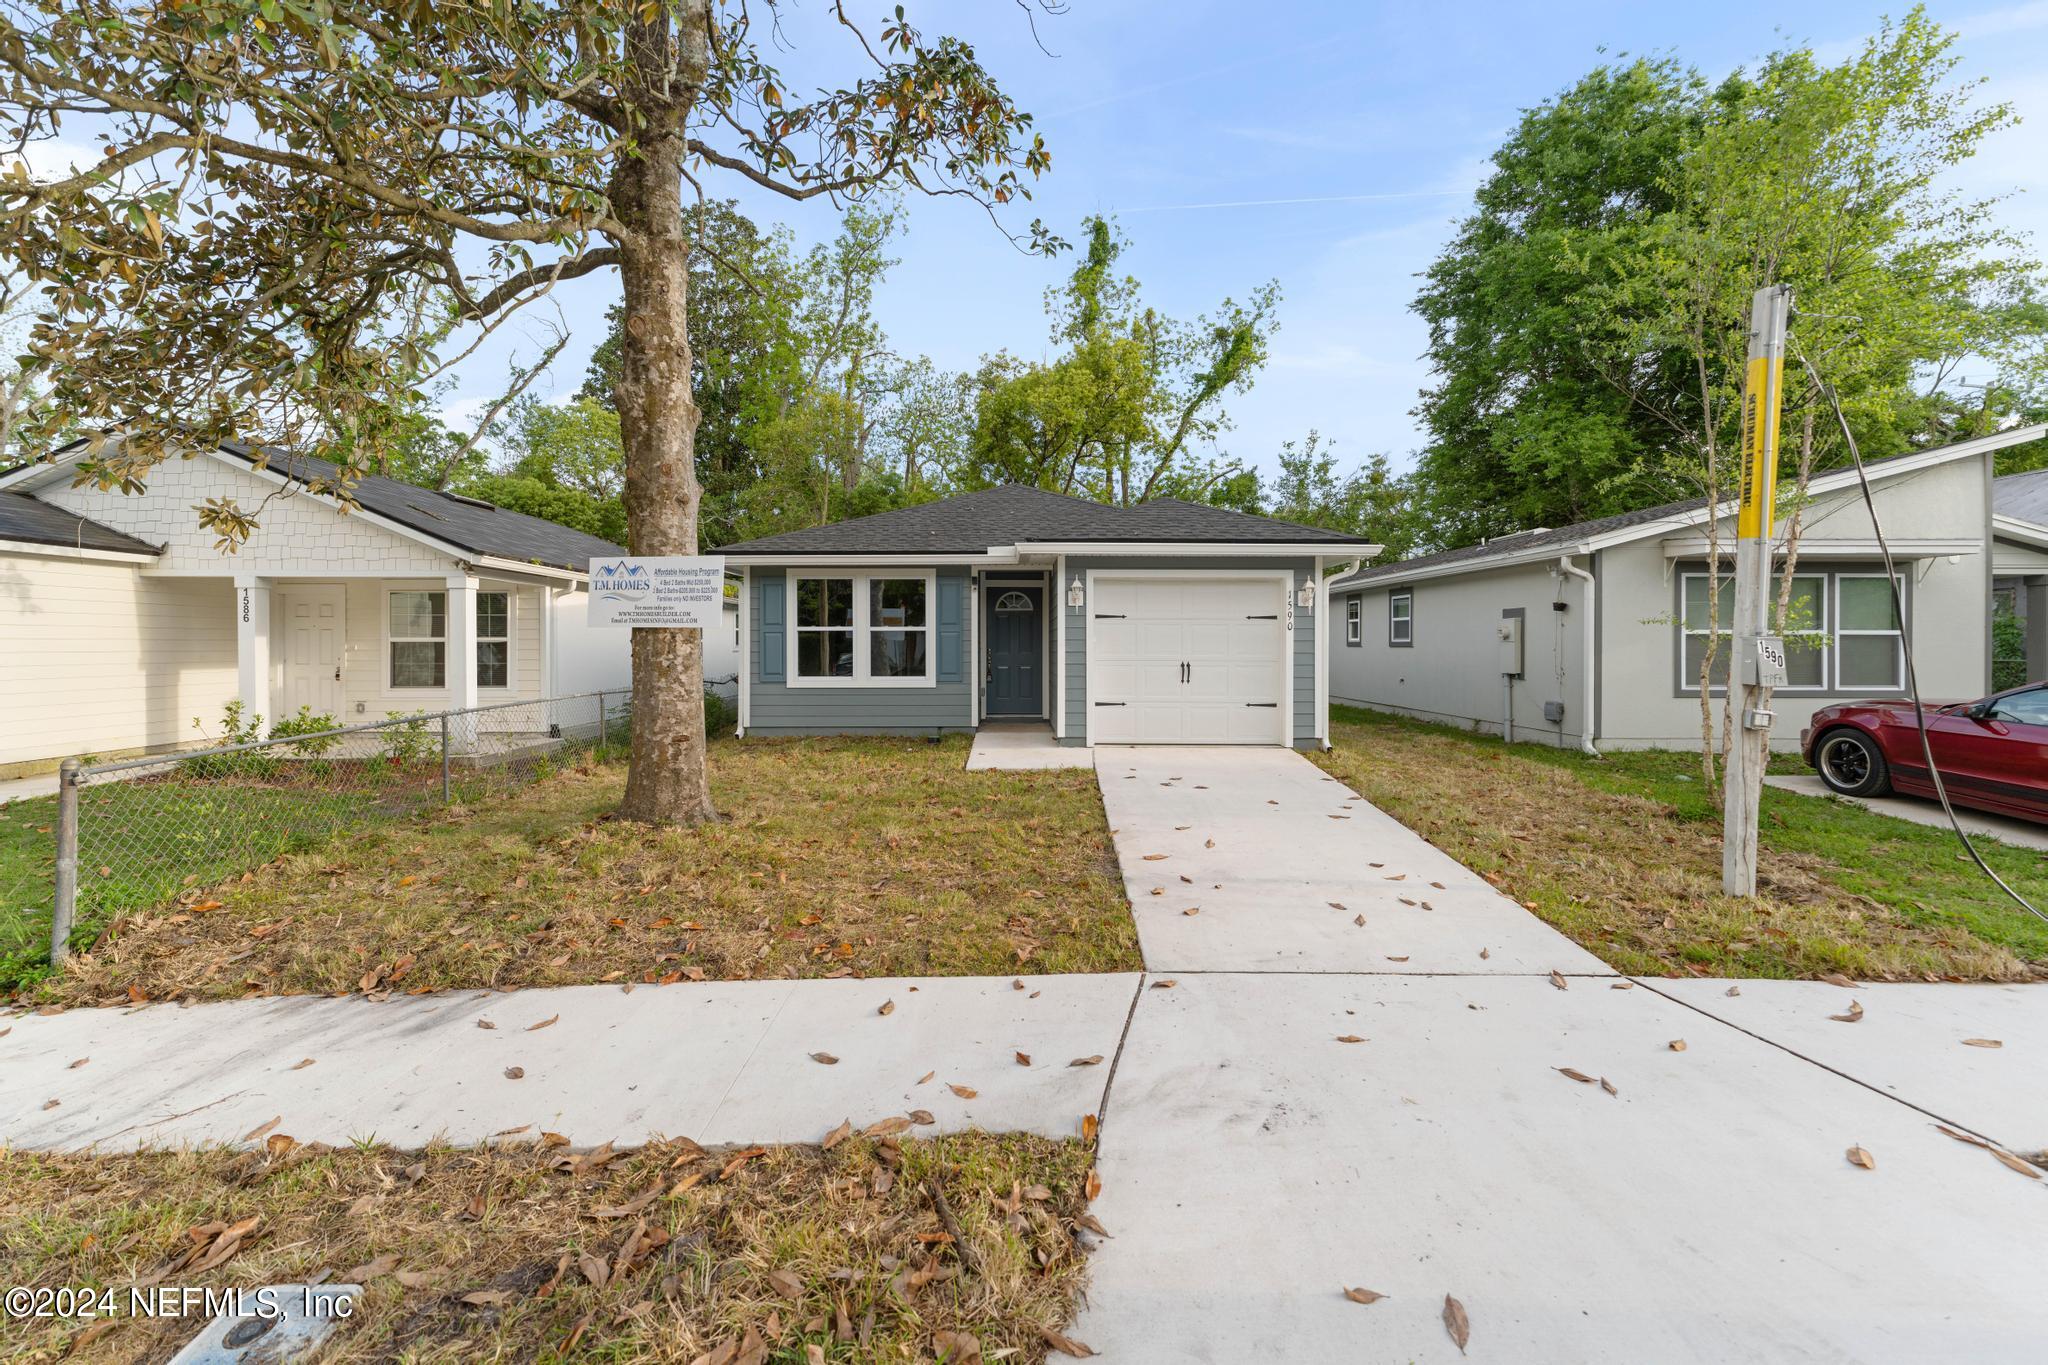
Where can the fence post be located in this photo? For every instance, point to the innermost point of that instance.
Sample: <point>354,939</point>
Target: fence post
<point>444,758</point>
<point>64,908</point>
<point>604,734</point>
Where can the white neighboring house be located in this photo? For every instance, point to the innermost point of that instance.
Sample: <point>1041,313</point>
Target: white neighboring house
<point>121,622</point>
<point>2019,522</point>
<point>1612,616</point>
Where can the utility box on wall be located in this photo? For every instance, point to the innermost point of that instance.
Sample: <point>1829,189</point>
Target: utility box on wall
<point>1511,642</point>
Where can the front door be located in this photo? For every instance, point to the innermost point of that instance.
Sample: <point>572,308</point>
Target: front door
<point>314,632</point>
<point>1016,651</point>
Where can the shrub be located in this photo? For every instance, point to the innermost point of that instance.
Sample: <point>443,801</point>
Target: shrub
<point>312,725</point>
<point>409,743</point>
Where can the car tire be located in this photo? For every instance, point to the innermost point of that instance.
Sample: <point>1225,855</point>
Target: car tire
<point>1850,762</point>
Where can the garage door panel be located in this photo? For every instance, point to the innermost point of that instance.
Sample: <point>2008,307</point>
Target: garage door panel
<point>1191,661</point>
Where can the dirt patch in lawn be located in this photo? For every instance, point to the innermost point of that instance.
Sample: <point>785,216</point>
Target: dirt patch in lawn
<point>790,1253</point>
<point>1635,880</point>
<point>833,857</point>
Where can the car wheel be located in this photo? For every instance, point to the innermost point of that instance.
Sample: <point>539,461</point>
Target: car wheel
<point>1849,762</point>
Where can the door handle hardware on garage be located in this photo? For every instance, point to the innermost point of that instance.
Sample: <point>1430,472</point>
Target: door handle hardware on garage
<point>1111,616</point>
<point>1184,673</point>
<point>1112,703</point>
<point>1269,705</point>
<point>1269,616</point>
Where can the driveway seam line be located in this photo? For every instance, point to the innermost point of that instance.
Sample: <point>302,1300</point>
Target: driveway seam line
<point>1116,1060</point>
<point>1814,1061</point>
<point>767,1026</point>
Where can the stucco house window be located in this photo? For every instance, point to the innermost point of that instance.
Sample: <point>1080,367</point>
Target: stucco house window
<point>1354,621</point>
<point>419,639</point>
<point>1869,648</point>
<point>494,639</point>
<point>1841,633</point>
<point>1401,618</point>
<point>866,630</point>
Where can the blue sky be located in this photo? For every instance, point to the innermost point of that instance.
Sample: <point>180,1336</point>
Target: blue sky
<point>1329,145</point>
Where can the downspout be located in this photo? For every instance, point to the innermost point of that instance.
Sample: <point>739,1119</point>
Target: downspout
<point>1565,566</point>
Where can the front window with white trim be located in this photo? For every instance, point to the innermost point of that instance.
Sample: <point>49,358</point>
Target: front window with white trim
<point>1840,629</point>
<point>1354,621</point>
<point>869,630</point>
<point>419,639</point>
<point>494,639</point>
<point>1401,618</point>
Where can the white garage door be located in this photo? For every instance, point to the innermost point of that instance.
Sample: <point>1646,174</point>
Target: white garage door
<point>1188,661</point>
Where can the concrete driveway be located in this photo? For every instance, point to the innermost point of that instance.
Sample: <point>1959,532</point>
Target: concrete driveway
<point>1280,861</point>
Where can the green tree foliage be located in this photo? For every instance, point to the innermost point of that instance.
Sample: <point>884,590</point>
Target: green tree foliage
<point>1121,414</point>
<point>283,188</point>
<point>1588,322</point>
<point>1368,501</point>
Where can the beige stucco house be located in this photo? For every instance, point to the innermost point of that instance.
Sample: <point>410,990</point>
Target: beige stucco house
<point>1593,633</point>
<point>122,621</point>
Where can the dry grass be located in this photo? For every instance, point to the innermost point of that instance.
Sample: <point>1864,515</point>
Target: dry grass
<point>1636,881</point>
<point>524,1253</point>
<point>834,856</point>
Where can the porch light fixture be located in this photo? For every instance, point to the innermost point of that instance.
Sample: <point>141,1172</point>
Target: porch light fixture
<point>1076,595</point>
<point>1306,595</point>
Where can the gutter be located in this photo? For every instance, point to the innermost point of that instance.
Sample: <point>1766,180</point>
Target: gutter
<point>1566,567</point>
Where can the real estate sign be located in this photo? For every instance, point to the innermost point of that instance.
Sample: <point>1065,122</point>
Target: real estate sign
<point>663,591</point>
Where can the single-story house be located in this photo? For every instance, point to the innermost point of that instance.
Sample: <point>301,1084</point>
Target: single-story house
<point>122,622</point>
<point>1165,623</point>
<point>2019,585</point>
<point>1595,632</point>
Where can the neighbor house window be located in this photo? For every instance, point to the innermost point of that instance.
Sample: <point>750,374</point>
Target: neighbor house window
<point>419,639</point>
<point>871,629</point>
<point>1401,618</point>
<point>1822,625</point>
<point>1354,621</point>
<point>494,639</point>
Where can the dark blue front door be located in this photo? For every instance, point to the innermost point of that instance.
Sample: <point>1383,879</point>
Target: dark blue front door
<point>1016,651</point>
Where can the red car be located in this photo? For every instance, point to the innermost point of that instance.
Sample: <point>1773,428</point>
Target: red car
<point>1992,753</point>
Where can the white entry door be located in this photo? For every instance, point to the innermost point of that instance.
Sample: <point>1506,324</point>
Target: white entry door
<point>313,628</point>
<point>1188,660</point>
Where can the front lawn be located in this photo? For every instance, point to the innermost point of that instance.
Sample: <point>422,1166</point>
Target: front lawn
<point>1623,853</point>
<point>792,1253</point>
<point>834,856</point>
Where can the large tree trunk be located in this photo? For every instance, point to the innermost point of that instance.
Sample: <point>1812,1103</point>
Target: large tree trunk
<point>667,782</point>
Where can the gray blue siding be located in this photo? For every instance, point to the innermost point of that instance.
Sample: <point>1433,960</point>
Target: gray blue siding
<point>775,708</point>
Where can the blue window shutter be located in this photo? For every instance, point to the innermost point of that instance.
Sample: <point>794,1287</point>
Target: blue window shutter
<point>774,645</point>
<point>951,594</point>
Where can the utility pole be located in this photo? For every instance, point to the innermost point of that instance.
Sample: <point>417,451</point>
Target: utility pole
<point>1758,663</point>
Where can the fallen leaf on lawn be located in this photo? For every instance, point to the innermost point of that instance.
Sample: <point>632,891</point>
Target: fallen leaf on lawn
<point>260,1129</point>
<point>548,1140</point>
<point>824,1059</point>
<point>1854,1015</point>
<point>923,1116</point>
<point>1676,1044</point>
<point>740,1159</point>
<point>536,1028</point>
<point>369,1270</point>
<point>684,1185</point>
<point>1023,1059</point>
<point>1363,1295</point>
<point>513,1073</point>
<point>1349,1038</point>
<point>1570,1074</point>
<point>888,1127</point>
<point>887,1007</point>
<point>301,1066</point>
<point>486,1298</point>
<point>1092,1186</point>
<point>1065,1345</point>
<point>1982,1042</point>
<point>1092,1223</point>
<point>838,1135</point>
<point>965,1092</point>
<point>1858,1157</point>
<point>1557,980</point>
<point>786,1283</point>
<point>1457,1323</point>
<point>2025,1168</point>
<point>1090,1126</point>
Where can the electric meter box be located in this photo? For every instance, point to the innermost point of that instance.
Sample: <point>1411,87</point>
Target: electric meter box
<point>1511,645</point>
<point>1764,665</point>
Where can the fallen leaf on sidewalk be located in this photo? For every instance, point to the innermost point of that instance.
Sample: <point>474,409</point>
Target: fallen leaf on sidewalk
<point>1570,1074</point>
<point>513,1073</point>
<point>1349,1038</point>
<point>1155,857</point>
<point>1858,1157</point>
<point>1855,1014</point>
<point>965,1092</point>
<point>1734,990</point>
<point>301,1066</point>
<point>1982,1042</point>
<point>1557,980</point>
<point>1092,1186</point>
<point>1363,1295</point>
<point>824,1059</point>
<point>260,1129</point>
<point>1837,979</point>
<point>888,1127</point>
<point>1676,1045</point>
<point>1066,1346</point>
<point>1096,1060</point>
<point>77,1064</point>
<point>1023,1058</point>
<point>1608,1086</point>
<point>2025,1168</point>
<point>1168,984</point>
<point>888,1007</point>
<point>1457,1323</point>
<point>536,1028</point>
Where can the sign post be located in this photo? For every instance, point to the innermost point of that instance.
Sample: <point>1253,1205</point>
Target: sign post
<point>662,592</point>
<point>1758,663</point>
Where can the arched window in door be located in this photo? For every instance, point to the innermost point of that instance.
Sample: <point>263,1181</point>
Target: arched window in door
<point>1013,601</point>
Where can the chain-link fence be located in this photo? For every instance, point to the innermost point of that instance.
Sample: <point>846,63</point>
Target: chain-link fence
<point>133,834</point>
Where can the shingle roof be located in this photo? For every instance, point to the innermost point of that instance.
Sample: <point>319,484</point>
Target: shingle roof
<point>28,519</point>
<point>971,523</point>
<point>2023,497</point>
<point>469,523</point>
